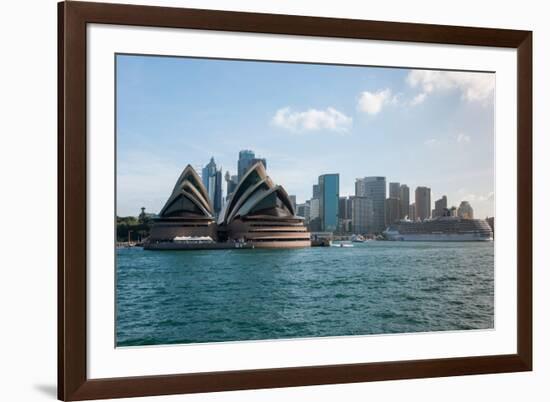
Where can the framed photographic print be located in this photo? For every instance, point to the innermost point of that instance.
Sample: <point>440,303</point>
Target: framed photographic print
<point>253,200</point>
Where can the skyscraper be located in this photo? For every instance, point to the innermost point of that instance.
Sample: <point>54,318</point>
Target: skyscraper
<point>361,214</point>
<point>245,161</point>
<point>344,208</point>
<point>344,214</point>
<point>440,207</point>
<point>412,212</point>
<point>212,180</point>
<point>314,218</point>
<point>303,211</point>
<point>316,193</point>
<point>314,208</point>
<point>329,187</point>
<point>292,199</point>
<point>392,210</point>
<point>465,210</point>
<point>247,158</point>
<point>404,200</point>
<point>423,203</point>
<point>232,181</point>
<point>374,188</point>
<point>394,190</point>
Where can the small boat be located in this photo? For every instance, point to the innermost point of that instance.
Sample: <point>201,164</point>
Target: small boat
<point>341,245</point>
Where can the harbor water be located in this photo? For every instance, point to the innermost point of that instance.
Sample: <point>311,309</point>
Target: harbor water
<point>377,287</point>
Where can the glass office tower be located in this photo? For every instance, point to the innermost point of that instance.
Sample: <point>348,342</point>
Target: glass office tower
<point>329,189</point>
<point>374,188</point>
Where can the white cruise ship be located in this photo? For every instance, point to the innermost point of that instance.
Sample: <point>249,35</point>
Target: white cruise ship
<point>445,228</point>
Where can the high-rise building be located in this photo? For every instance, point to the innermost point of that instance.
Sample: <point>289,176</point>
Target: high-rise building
<point>423,203</point>
<point>316,193</point>
<point>440,207</point>
<point>247,158</point>
<point>465,210</point>
<point>374,188</point>
<point>412,212</point>
<point>245,161</point>
<point>292,199</point>
<point>404,200</point>
<point>394,190</point>
<point>303,211</point>
<point>232,181</point>
<point>344,214</point>
<point>314,208</point>
<point>392,210</point>
<point>217,200</point>
<point>344,208</point>
<point>314,217</point>
<point>329,187</point>
<point>453,211</point>
<point>212,180</point>
<point>361,214</point>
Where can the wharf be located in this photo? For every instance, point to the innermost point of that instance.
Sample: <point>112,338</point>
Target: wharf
<point>321,243</point>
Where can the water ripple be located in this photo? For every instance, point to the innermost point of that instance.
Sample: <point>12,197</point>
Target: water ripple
<point>374,288</point>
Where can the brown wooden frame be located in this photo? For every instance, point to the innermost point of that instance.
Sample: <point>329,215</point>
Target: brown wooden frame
<point>73,383</point>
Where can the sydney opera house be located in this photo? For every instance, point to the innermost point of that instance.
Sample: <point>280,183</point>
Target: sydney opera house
<point>187,212</point>
<point>258,214</point>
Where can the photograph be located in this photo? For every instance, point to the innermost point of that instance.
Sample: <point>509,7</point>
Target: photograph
<point>262,200</point>
<point>275,201</point>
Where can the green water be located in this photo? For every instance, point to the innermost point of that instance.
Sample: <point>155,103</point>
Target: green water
<point>168,297</point>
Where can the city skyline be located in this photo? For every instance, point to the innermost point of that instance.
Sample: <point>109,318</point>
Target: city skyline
<point>364,122</point>
<point>386,192</point>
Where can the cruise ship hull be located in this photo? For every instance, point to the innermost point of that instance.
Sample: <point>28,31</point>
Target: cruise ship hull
<point>440,229</point>
<point>439,237</point>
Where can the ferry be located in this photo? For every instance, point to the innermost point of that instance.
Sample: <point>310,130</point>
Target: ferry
<point>445,228</point>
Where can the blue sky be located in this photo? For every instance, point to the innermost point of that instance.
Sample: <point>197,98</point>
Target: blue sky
<point>418,127</point>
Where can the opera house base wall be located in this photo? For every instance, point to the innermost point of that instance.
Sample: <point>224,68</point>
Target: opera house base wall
<point>166,230</point>
<point>270,232</point>
<point>238,235</point>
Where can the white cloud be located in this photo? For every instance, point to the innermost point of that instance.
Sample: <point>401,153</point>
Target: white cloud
<point>373,102</point>
<point>396,99</point>
<point>418,99</point>
<point>481,202</point>
<point>473,86</point>
<point>312,120</point>
<point>463,138</point>
<point>431,142</point>
<point>489,197</point>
